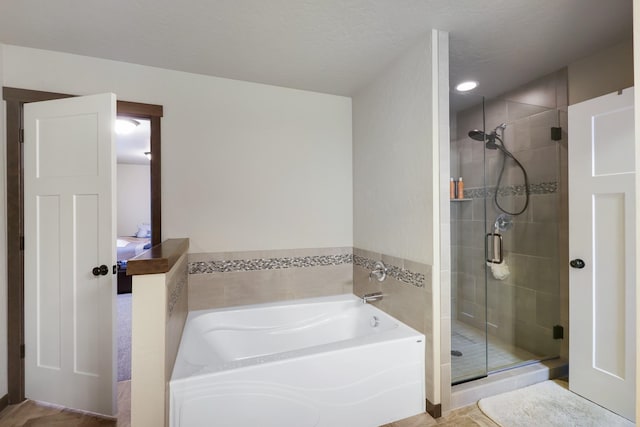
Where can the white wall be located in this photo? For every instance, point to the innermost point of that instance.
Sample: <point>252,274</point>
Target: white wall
<point>392,159</point>
<point>244,166</point>
<point>3,241</point>
<point>134,197</point>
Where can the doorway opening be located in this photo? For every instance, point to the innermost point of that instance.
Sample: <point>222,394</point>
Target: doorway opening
<point>15,99</point>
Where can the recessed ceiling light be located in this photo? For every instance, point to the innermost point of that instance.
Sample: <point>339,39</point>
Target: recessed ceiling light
<point>466,86</point>
<point>126,126</point>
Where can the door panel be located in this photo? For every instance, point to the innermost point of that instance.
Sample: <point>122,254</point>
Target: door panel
<point>69,205</point>
<point>601,232</point>
<point>48,282</point>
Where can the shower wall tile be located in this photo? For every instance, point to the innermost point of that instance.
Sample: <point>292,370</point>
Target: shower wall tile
<point>525,303</point>
<point>545,208</point>
<point>465,211</point>
<point>540,163</point>
<point>495,114</point>
<point>517,110</point>
<point>541,125</point>
<point>467,290</point>
<point>517,135</point>
<point>470,119</point>
<point>541,92</point>
<point>547,310</point>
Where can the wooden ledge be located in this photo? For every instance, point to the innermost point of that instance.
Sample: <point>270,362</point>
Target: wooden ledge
<point>159,259</point>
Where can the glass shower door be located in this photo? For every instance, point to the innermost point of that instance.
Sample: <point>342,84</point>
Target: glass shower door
<point>522,220</point>
<point>468,285</point>
<point>505,237</point>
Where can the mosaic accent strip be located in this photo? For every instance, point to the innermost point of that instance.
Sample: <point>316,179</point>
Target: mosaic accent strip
<point>226,266</point>
<point>405,276</point>
<point>258,264</point>
<point>511,190</point>
<point>176,292</point>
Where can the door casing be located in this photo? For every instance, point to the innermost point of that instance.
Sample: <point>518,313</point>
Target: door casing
<point>15,99</point>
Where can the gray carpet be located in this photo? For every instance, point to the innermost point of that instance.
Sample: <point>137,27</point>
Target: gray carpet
<point>124,336</point>
<point>548,404</point>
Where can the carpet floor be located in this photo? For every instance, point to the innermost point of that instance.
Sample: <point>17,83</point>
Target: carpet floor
<point>549,404</point>
<point>124,337</point>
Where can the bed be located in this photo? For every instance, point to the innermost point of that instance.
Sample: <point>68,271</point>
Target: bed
<point>128,247</point>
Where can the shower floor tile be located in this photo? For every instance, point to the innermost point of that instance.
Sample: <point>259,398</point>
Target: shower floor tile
<point>470,342</point>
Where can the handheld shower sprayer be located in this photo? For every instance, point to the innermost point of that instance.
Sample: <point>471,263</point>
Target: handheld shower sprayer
<point>491,144</point>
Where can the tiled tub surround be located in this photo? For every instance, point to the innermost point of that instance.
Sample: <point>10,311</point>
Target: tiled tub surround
<point>522,309</point>
<point>407,294</point>
<point>225,279</point>
<point>406,290</point>
<point>229,279</point>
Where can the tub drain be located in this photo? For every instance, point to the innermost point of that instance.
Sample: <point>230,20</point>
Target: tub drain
<point>457,353</point>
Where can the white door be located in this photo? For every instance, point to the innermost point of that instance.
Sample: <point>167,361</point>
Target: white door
<point>69,175</point>
<point>601,234</point>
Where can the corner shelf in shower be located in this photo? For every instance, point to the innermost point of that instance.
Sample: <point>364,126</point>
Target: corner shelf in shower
<point>460,200</point>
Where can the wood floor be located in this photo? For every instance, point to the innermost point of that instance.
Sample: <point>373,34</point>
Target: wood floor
<point>32,414</point>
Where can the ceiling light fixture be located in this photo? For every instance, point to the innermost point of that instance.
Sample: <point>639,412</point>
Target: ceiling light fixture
<point>126,126</point>
<point>466,86</point>
<point>148,154</point>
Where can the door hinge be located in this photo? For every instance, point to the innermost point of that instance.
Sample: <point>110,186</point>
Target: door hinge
<point>558,332</point>
<point>21,135</point>
<point>22,243</point>
<point>556,133</point>
<point>22,351</point>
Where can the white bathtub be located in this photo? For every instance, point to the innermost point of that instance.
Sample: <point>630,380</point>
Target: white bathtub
<point>330,361</point>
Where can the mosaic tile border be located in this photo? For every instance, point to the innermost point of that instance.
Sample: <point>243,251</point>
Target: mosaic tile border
<point>227,266</point>
<point>260,264</point>
<point>401,274</point>
<point>512,190</point>
<point>176,292</point>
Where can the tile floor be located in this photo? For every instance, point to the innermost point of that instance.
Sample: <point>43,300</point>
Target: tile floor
<point>32,414</point>
<point>470,342</point>
<point>469,416</point>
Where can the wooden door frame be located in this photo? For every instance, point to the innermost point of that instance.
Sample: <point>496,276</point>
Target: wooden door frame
<point>15,99</point>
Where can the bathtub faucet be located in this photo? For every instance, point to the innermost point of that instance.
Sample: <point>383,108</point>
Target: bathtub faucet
<point>374,296</point>
<point>379,271</point>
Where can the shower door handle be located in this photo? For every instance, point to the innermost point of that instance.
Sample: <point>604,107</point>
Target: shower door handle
<point>493,248</point>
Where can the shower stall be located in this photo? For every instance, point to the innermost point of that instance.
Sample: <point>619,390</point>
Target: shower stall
<point>506,233</point>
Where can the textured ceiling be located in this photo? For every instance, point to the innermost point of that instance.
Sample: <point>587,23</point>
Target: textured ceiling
<point>332,46</point>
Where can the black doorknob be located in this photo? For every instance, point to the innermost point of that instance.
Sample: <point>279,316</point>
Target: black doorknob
<point>577,263</point>
<point>103,270</point>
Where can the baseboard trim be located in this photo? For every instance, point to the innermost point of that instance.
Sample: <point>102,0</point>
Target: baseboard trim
<point>4,401</point>
<point>434,410</point>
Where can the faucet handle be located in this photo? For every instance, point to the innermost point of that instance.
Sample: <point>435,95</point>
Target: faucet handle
<point>379,271</point>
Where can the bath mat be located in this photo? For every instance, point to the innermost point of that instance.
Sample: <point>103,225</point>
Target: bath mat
<point>548,404</point>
